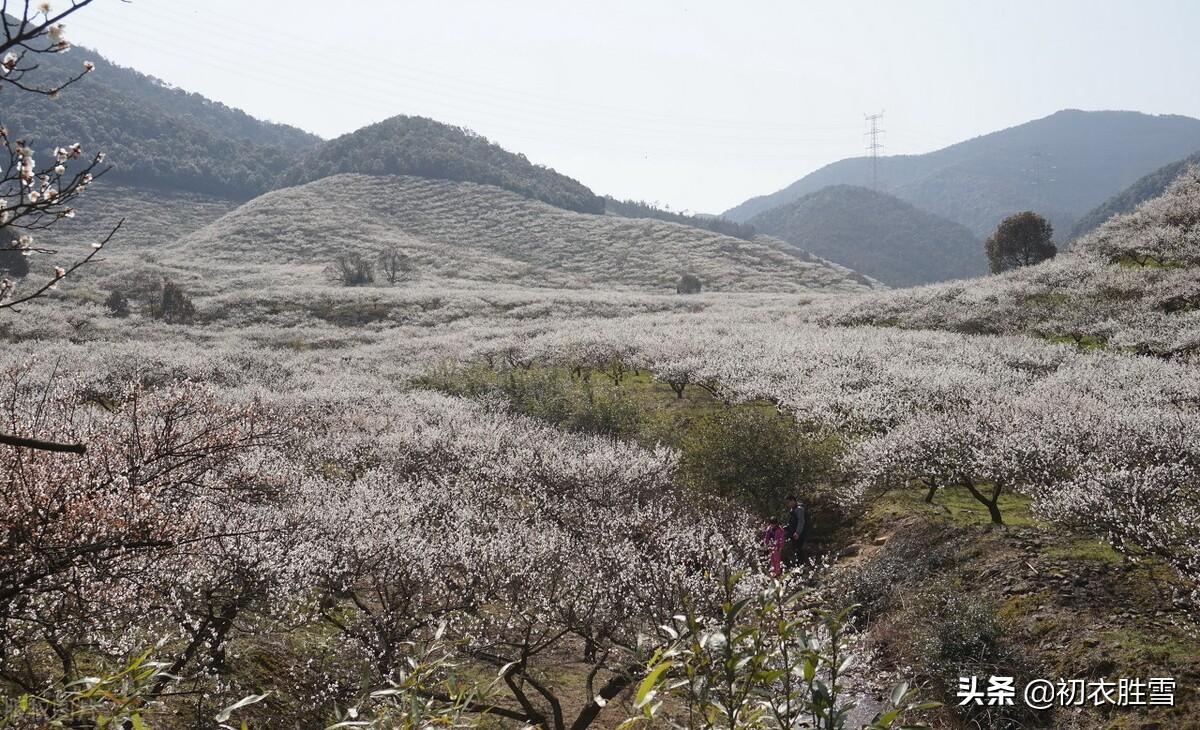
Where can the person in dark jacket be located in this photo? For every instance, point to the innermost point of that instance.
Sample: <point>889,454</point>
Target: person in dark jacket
<point>794,533</point>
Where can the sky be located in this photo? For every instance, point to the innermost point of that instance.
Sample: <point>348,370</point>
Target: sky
<point>692,105</point>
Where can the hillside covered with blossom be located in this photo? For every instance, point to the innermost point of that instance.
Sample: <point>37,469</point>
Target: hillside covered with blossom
<point>409,435</point>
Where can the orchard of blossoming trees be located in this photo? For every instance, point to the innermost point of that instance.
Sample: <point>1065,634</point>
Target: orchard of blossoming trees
<point>1106,441</point>
<point>196,523</point>
<point>261,507</point>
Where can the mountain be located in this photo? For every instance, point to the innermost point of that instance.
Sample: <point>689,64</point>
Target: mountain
<point>1061,166</point>
<point>153,135</point>
<point>1150,186</point>
<point>467,231</point>
<point>1130,285</point>
<point>876,234</point>
<point>423,147</point>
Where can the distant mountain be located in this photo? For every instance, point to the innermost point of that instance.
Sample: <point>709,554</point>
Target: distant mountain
<point>154,136</point>
<point>423,147</point>
<point>1150,186</point>
<point>467,231</point>
<point>1132,285</point>
<point>876,234</point>
<point>1061,166</point>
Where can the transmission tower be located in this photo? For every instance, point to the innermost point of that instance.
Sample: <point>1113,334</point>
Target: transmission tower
<point>873,147</point>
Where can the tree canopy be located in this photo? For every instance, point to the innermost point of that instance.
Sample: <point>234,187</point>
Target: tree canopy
<point>1022,239</point>
<point>423,147</point>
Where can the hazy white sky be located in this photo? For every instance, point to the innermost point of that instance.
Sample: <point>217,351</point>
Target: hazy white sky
<point>696,105</point>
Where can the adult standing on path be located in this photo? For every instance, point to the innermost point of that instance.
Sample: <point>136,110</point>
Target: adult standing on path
<point>794,532</point>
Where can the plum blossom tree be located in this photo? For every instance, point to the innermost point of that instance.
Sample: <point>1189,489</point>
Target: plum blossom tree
<point>87,538</point>
<point>35,196</point>
<point>530,547</point>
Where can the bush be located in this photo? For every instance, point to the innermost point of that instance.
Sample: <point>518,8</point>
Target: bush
<point>117,303</point>
<point>962,637</point>
<point>917,555</point>
<point>756,455</point>
<point>352,269</point>
<point>13,263</point>
<point>174,306</point>
<point>551,395</point>
<point>688,284</point>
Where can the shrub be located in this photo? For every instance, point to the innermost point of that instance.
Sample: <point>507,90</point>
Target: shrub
<point>13,262</point>
<point>352,269</point>
<point>688,284</point>
<point>756,455</point>
<point>174,306</point>
<point>551,395</point>
<point>395,265</point>
<point>117,303</point>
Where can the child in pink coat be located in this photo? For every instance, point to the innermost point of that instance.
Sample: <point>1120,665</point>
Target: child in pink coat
<point>773,541</point>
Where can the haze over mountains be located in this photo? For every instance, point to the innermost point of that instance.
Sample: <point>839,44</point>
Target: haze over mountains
<point>1150,186</point>
<point>876,234</point>
<point>1061,166</point>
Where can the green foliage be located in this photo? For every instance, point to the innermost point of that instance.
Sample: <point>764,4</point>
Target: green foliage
<point>425,148</point>
<point>875,234</point>
<point>1022,239</point>
<point>154,136</point>
<point>961,636</point>
<point>755,455</point>
<point>575,402</point>
<point>113,699</point>
<point>872,584</point>
<point>765,662</point>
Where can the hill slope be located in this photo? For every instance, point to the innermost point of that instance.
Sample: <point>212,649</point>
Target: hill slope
<point>1062,165</point>
<point>876,234</point>
<point>1131,284</point>
<point>154,136</point>
<point>470,231</point>
<point>1150,186</point>
<point>422,147</point>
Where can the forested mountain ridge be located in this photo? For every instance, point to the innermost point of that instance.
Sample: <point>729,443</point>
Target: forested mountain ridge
<point>1062,166</point>
<point>153,135</point>
<point>876,234</point>
<point>1150,186</point>
<point>404,145</point>
<point>162,138</point>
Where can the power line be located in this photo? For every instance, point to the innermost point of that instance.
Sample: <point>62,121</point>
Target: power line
<point>874,146</point>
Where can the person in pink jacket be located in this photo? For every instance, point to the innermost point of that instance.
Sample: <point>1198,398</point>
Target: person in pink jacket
<point>773,541</point>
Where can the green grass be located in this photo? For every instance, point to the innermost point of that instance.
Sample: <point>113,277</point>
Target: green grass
<point>1085,548</point>
<point>1148,262</point>
<point>955,505</point>
<point>1086,343</point>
